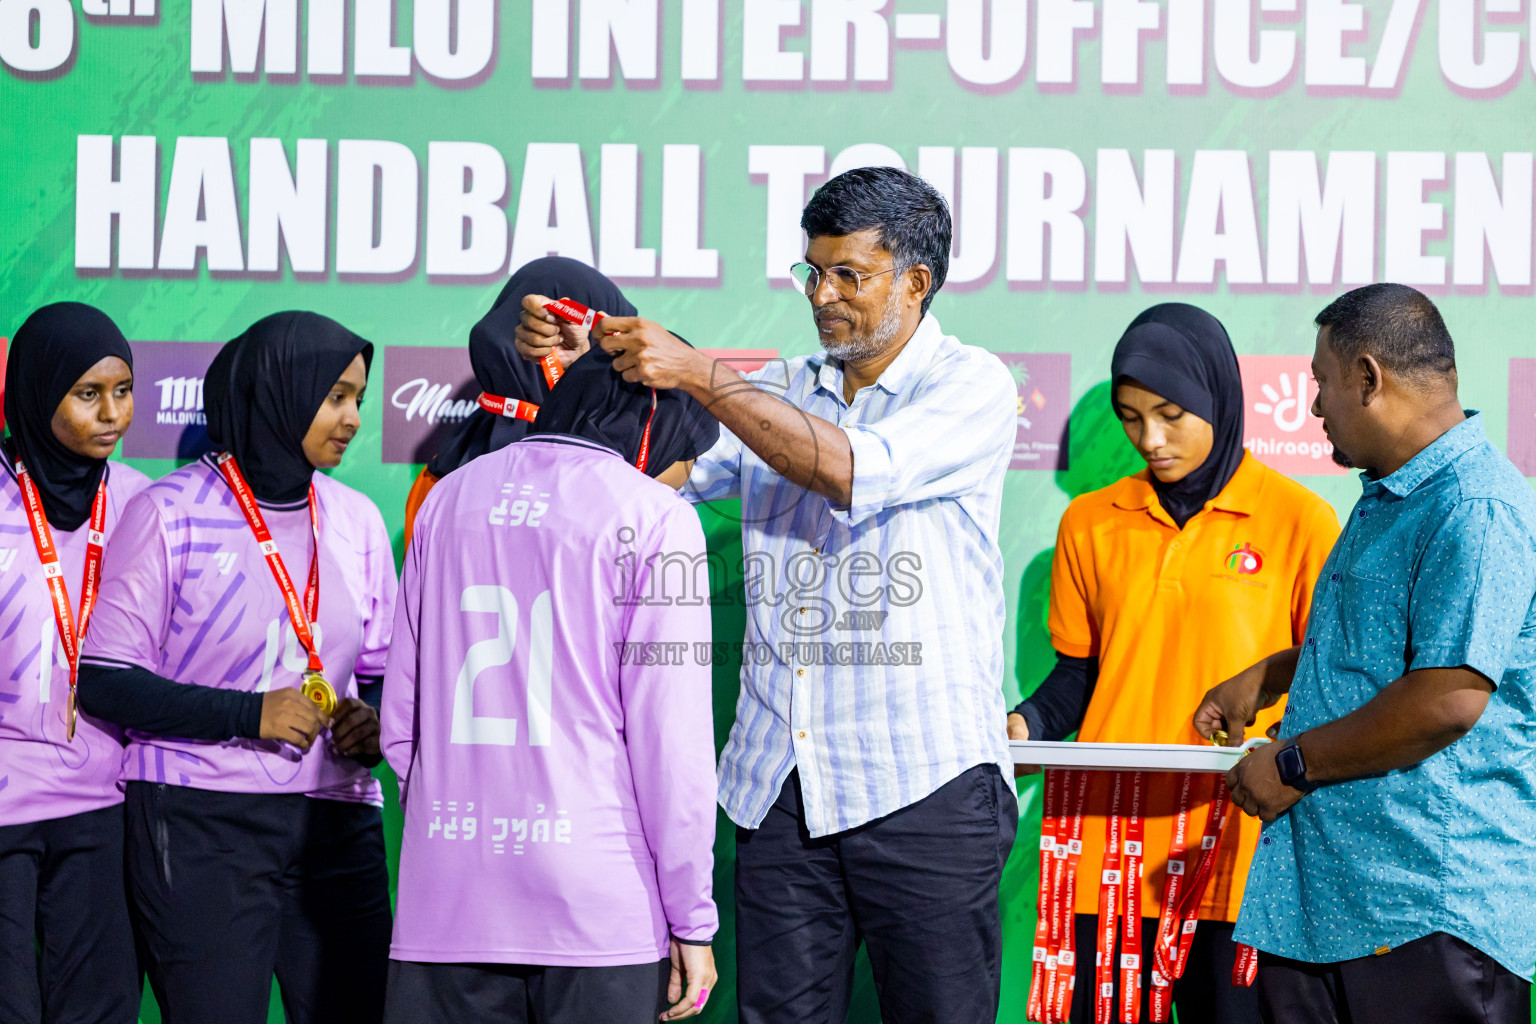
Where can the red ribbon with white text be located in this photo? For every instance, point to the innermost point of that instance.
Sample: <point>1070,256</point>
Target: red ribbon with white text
<point>511,408</point>
<point>300,614</point>
<point>63,615</point>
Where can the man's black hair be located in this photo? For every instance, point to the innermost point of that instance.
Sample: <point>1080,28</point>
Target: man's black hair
<point>1396,324</point>
<point>911,214</point>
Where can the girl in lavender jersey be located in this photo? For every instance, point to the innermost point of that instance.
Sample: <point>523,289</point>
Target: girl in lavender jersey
<point>69,400</point>
<point>551,725</point>
<point>255,842</point>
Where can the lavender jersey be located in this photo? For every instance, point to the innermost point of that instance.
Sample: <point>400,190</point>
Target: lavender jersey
<point>43,776</point>
<point>549,717</point>
<point>187,594</point>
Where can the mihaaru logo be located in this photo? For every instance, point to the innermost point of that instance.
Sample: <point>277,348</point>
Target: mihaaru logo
<point>1245,559</point>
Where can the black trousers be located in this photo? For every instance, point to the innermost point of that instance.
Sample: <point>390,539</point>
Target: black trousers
<point>918,887</point>
<point>61,892</point>
<point>228,889</point>
<point>421,993</point>
<point>1438,978</point>
<point>1203,995</point>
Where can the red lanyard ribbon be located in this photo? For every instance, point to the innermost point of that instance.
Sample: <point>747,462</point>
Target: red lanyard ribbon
<point>511,408</point>
<point>1246,967</point>
<point>301,615</point>
<point>1054,785</point>
<point>1184,892</point>
<point>53,572</point>
<point>1111,886</point>
<point>1130,942</point>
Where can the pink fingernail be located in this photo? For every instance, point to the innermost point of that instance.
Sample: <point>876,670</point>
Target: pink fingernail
<point>703,995</point>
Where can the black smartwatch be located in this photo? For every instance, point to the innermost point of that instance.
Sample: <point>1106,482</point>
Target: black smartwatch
<point>1293,768</point>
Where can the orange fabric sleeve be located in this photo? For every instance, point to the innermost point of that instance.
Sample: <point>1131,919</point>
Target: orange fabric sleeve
<point>1074,630</point>
<point>419,489</point>
<point>1322,532</point>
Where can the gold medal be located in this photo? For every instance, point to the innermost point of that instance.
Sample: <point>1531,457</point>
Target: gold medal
<point>1219,737</point>
<point>69,716</point>
<point>318,690</point>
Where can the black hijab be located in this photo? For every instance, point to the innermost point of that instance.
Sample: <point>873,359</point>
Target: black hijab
<point>596,403</point>
<point>263,390</point>
<point>1183,353</point>
<point>501,371</point>
<point>50,352</point>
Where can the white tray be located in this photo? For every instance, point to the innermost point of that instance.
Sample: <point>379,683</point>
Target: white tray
<point>1147,757</point>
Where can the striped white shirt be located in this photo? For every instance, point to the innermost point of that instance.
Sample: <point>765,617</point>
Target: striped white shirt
<point>874,658</point>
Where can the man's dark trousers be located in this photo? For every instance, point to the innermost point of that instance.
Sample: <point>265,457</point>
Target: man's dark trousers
<point>918,887</point>
<point>1438,978</point>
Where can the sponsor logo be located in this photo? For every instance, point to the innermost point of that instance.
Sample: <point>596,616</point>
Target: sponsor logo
<point>1279,428</point>
<point>181,401</point>
<point>226,560</point>
<point>431,390</point>
<point>1245,559</point>
<point>7,559</point>
<point>170,423</point>
<point>1042,407</point>
<point>431,401</point>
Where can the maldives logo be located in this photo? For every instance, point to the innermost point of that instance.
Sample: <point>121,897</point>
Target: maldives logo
<point>171,423</point>
<point>1245,559</point>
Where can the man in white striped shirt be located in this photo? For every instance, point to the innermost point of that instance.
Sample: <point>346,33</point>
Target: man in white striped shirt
<point>868,767</point>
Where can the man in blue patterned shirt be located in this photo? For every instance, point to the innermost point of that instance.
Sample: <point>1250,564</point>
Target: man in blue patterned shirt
<point>868,769</point>
<point>1396,875</point>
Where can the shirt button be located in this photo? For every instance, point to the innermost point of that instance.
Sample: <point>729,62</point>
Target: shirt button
<point>817,551</point>
<point>1334,578</point>
<point>1362,513</point>
<point>1310,642</point>
<point>802,734</point>
<point>802,611</point>
<point>1266,838</point>
<point>799,671</point>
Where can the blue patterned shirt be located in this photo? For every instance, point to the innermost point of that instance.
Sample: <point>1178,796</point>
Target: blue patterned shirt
<point>874,658</point>
<point>1436,569</point>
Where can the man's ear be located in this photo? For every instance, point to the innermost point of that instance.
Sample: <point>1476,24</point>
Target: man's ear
<point>919,280</point>
<point>1372,381</point>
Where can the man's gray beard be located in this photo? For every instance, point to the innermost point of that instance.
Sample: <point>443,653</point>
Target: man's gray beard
<point>870,345</point>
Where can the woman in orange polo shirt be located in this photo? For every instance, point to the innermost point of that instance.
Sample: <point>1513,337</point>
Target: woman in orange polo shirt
<point>1163,584</point>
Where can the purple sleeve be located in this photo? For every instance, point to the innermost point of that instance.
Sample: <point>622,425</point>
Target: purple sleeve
<point>397,711</point>
<point>133,611</point>
<point>670,735</point>
<point>379,603</point>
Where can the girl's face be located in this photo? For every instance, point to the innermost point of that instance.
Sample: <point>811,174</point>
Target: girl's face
<point>1174,441</point>
<point>338,420</point>
<point>96,413</point>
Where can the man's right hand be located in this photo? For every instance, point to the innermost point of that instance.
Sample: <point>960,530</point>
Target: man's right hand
<point>1234,705</point>
<point>1018,729</point>
<point>539,333</point>
<point>290,716</point>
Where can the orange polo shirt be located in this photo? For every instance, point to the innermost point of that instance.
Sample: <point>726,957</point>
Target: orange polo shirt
<point>1170,613</point>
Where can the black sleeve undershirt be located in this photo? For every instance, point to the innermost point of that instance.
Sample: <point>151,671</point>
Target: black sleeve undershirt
<point>371,690</point>
<point>1056,709</point>
<point>137,698</point>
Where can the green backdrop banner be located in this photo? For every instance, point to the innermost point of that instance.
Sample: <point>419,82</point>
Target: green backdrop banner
<point>191,167</point>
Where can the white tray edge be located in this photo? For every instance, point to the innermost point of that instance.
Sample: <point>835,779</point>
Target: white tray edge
<point>1147,757</point>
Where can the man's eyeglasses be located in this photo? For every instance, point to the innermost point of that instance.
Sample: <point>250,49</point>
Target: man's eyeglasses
<point>845,281</point>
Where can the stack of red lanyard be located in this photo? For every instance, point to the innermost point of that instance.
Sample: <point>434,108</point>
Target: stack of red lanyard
<point>1051,987</point>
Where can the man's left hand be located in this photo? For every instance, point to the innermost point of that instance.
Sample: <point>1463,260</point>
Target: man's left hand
<point>647,353</point>
<point>1256,786</point>
<point>355,731</point>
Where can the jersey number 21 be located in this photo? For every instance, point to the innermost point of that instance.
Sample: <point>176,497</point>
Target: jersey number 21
<point>496,652</point>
